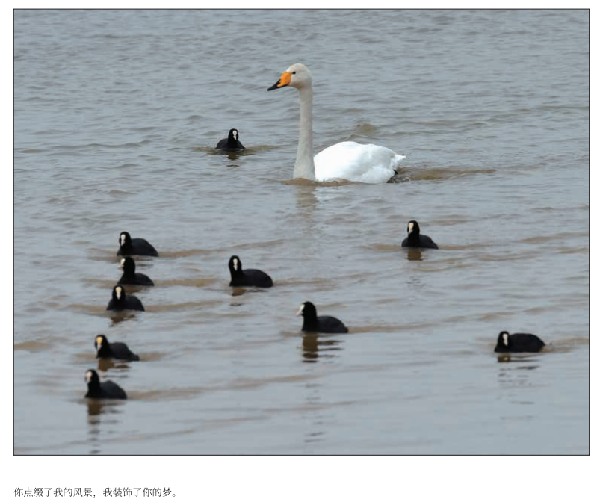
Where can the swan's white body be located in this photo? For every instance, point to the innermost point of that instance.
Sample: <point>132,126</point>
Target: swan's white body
<point>355,162</point>
<point>347,160</point>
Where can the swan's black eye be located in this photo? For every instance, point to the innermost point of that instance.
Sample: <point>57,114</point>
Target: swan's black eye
<point>293,73</point>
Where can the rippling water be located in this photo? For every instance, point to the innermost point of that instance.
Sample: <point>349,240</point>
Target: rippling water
<point>116,114</point>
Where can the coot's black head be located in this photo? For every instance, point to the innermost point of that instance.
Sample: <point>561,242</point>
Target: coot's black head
<point>233,136</point>
<point>118,294</point>
<point>92,379</point>
<point>235,264</point>
<point>128,265</point>
<point>413,228</point>
<point>504,340</point>
<point>124,239</point>
<point>307,310</point>
<point>100,341</point>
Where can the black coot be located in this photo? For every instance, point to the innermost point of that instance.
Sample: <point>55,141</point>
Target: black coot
<point>102,390</point>
<point>115,350</point>
<point>231,143</point>
<point>136,246</point>
<point>249,277</point>
<point>120,300</point>
<point>518,342</point>
<point>415,239</point>
<point>321,324</point>
<point>131,277</point>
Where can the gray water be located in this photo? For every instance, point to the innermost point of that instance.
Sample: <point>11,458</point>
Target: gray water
<point>115,117</point>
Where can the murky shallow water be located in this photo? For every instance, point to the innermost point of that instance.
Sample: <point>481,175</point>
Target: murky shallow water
<point>115,117</point>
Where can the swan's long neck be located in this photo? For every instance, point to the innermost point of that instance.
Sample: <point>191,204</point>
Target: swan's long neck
<point>305,163</point>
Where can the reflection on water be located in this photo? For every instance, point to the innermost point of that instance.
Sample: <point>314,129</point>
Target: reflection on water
<point>315,432</point>
<point>446,173</point>
<point>311,183</point>
<point>517,373</point>
<point>239,291</point>
<point>306,200</point>
<point>312,345</point>
<point>306,204</point>
<point>235,154</point>
<point>518,358</point>
<point>96,408</point>
<point>106,364</point>
<point>117,317</point>
<point>414,254</point>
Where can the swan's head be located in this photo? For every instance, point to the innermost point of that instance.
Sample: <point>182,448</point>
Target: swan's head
<point>297,76</point>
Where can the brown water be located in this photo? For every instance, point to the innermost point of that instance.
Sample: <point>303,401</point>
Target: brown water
<point>115,116</point>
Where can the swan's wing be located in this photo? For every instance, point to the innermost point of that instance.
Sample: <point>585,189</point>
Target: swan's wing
<point>356,162</point>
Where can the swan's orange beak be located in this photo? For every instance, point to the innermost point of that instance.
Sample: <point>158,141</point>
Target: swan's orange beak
<point>285,79</point>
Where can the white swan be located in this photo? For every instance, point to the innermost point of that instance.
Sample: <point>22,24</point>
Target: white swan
<point>347,160</point>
